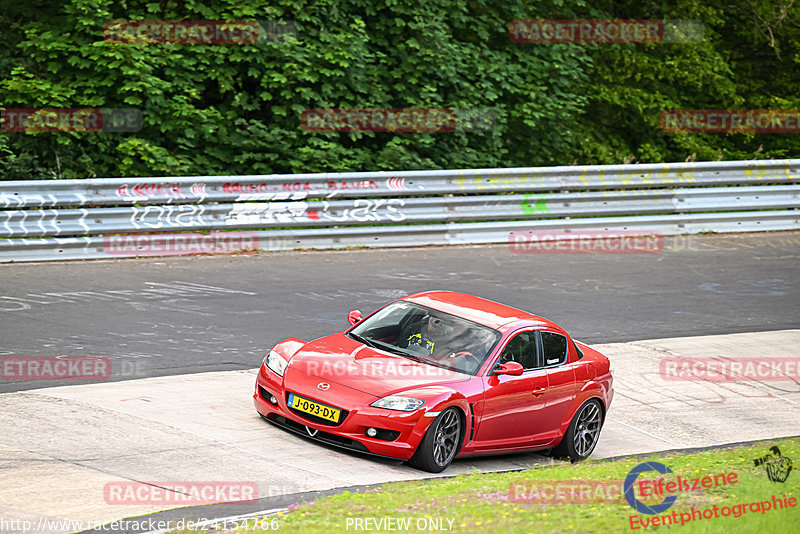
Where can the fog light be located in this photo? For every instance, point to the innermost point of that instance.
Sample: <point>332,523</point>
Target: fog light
<point>371,432</point>
<point>273,400</point>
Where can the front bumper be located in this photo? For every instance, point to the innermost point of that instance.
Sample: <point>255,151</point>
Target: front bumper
<point>408,427</point>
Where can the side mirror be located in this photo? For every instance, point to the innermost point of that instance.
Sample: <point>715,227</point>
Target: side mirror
<point>510,368</point>
<point>354,317</point>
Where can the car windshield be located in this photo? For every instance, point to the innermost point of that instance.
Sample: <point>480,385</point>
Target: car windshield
<point>429,336</point>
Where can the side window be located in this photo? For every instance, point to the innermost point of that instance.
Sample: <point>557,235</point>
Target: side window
<point>578,350</point>
<point>554,347</point>
<point>521,349</point>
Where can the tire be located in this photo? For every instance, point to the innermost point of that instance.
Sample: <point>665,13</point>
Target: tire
<point>583,432</point>
<point>441,443</point>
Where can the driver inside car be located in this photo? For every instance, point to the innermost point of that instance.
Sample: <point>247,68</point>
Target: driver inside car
<point>431,332</point>
<point>440,338</point>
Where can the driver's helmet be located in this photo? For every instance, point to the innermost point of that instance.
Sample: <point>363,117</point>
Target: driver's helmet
<point>436,326</point>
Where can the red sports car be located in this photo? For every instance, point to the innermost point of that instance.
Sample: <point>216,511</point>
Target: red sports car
<point>437,375</point>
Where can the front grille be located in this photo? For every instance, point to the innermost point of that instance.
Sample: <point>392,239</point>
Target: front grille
<point>321,435</point>
<point>313,418</point>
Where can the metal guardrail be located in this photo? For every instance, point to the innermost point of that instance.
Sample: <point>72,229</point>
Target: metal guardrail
<point>149,218</point>
<point>203,189</point>
<point>74,219</point>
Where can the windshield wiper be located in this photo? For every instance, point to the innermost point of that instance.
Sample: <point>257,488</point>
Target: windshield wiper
<point>391,348</point>
<point>411,357</point>
<point>362,339</point>
<point>375,344</point>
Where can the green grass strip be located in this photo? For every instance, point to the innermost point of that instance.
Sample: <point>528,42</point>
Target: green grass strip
<point>485,502</point>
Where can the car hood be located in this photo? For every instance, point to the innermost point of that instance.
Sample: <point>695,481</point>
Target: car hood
<point>341,360</point>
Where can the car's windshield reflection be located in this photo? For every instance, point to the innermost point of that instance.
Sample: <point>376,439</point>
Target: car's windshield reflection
<point>429,336</point>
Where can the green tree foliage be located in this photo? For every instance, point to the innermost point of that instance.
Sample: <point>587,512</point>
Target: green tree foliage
<point>748,58</point>
<point>235,109</point>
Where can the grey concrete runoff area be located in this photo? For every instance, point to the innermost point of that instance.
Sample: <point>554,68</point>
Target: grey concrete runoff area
<point>184,336</point>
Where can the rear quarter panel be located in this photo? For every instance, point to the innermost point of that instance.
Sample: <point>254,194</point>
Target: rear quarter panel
<point>593,380</point>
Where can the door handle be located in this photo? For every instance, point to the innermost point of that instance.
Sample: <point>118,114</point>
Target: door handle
<point>538,391</point>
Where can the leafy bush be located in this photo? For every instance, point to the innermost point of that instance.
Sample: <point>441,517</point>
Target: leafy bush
<point>235,109</point>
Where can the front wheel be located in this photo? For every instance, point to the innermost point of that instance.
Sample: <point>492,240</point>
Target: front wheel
<point>583,432</point>
<point>440,444</point>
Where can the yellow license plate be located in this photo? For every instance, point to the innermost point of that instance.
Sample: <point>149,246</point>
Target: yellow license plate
<point>314,408</point>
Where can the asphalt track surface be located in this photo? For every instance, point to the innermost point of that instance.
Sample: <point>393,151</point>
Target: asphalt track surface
<point>169,316</point>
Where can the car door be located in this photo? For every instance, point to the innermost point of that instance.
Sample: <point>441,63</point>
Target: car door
<point>561,385</point>
<point>512,405</point>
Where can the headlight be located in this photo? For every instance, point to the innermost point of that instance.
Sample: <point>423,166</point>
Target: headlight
<point>277,363</point>
<point>403,404</point>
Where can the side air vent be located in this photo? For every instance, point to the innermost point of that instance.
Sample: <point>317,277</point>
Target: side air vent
<point>472,425</point>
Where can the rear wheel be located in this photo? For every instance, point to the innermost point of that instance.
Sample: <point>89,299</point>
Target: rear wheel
<point>440,444</point>
<point>583,432</point>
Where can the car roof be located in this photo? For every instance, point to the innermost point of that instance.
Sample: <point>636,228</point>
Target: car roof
<point>479,310</point>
